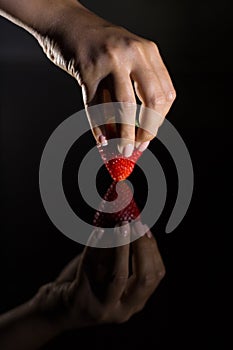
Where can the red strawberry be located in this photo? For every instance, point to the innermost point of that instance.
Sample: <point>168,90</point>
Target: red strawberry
<point>119,167</point>
<point>119,212</point>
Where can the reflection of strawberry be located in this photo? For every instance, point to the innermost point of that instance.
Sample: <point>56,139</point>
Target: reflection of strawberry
<point>119,167</point>
<point>128,213</point>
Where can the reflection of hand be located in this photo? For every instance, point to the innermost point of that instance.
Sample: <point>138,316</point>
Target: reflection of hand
<point>122,294</point>
<point>104,58</point>
<point>96,288</point>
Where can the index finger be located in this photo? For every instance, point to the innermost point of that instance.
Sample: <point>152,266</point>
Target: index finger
<point>148,270</point>
<point>125,111</point>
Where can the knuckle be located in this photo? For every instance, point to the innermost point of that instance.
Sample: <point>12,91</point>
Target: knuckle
<point>152,46</point>
<point>160,98</point>
<point>111,53</point>
<point>46,288</point>
<point>133,44</point>
<point>94,61</point>
<point>102,317</point>
<point>155,98</point>
<point>122,318</point>
<point>120,280</point>
<point>149,280</point>
<point>99,315</point>
<point>117,49</point>
<point>50,294</point>
<point>171,95</point>
<point>161,272</point>
<point>110,49</point>
<point>139,307</point>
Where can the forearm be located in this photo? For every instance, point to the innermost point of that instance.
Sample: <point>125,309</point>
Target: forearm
<point>25,328</point>
<point>36,16</point>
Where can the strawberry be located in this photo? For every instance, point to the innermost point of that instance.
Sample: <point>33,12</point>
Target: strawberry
<point>119,212</point>
<point>119,167</point>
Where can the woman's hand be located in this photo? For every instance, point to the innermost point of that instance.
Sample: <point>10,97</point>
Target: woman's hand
<point>109,62</point>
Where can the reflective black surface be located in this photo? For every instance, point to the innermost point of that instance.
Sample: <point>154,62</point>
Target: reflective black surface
<point>35,97</point>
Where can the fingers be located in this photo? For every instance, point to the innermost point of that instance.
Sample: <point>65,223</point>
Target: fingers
<point>149,89</point>
<point>154,88</point>
<point>150,92</point>
<point>125,111</point>
<point>148,270</point>
<point>144,66</point>
<point>100,114</point>
<point>153,85</point>
<point>120,272</point>
<point>108,269</point>
<point>165,79</point>
<point>97,266</point>
<point>114,119</point>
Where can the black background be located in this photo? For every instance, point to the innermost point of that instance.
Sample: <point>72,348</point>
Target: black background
<point>35,97</point>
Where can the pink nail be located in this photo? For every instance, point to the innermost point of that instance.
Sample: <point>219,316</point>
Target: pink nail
<point>143,146</point>
<point>125,229</point>
<point>103,140</point>
<point>99,233</point>
<point>128,150</point>
<point>139,228</point>
<point>149,234</point>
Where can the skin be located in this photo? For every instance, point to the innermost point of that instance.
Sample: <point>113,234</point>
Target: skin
<point>93,289</point>
<point>108,62</point>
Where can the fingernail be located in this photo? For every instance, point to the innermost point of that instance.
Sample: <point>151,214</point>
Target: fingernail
<point>124,229</point>
<point>103,140</point>
<point>142,146</point>
<point>139,228</point>
<point>99,233</point>
<point>128,150</point>
<point>149,234</point>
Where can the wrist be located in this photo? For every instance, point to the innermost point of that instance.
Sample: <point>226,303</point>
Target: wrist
<point>50,15</point>
<point>37,16</point>
<point>25,327</point>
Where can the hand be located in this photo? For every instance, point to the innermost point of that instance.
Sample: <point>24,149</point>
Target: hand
<point>109,62</point>
<point>96,287</point>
